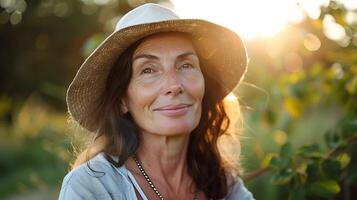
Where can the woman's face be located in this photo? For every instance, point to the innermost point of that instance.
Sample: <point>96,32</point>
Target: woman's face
<point>167,86</point>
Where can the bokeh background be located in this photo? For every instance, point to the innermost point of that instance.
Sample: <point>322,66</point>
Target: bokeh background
<point>298,99</point>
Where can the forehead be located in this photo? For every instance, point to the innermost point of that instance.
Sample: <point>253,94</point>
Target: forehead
<point>165,42</point>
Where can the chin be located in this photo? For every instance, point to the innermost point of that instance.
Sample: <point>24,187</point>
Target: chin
<point>176,129</point>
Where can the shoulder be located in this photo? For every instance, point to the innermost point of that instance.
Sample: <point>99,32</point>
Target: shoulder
<point>238,190</point>
<point>94,170</point>
<point>96,179</point>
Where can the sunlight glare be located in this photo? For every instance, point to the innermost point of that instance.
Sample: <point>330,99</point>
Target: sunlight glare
<point>333,30</point>
<point>349,4</point>
<point>253,18</point>
<point>231,103</point>
<point>312,8</point>
<point>231,97</point>
<point>351,17</point>
<point>245,17</point>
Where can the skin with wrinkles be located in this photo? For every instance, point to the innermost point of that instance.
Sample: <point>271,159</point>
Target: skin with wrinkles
<point>166,77</point>
<point>164,97</point>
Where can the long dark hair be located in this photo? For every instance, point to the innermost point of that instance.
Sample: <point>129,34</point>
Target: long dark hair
<point>206,165</point>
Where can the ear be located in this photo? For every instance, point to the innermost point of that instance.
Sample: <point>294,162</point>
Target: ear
<point>123,106</point>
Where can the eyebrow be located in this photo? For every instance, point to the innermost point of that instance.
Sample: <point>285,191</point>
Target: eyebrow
<point>186,55</point>
<point>152,57</point>
<point>147,56</point>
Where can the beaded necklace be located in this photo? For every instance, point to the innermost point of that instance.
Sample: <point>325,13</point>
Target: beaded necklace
<point>152,186</point>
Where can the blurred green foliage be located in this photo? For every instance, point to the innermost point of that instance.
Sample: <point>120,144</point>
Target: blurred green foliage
<point>302,137</point>
<point>299,100</point>
<point>33,149</point>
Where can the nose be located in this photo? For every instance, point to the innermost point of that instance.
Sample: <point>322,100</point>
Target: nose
<point>173,86</point>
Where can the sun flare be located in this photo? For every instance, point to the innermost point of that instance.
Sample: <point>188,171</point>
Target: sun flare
<point>253,18</point>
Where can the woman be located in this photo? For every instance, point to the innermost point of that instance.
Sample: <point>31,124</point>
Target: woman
<point>152,93</point>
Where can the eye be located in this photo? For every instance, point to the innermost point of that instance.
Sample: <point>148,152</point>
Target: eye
<point>186,66</point>
<point>147,70</point>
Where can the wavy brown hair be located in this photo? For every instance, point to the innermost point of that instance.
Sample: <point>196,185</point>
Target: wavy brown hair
<point>117,134</point>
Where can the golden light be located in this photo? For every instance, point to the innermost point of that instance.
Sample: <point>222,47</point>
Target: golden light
<point>312,42</point>
<point>231,98</point>
<point>333,30</point>
<point>253,18</point>
<point>229,143</point>
<point>293,62</point>
<point>233,111</point>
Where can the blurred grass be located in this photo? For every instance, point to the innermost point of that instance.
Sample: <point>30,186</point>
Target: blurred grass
<point>35,150</point>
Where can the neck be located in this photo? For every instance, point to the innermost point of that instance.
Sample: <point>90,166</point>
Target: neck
<point>165,156</point>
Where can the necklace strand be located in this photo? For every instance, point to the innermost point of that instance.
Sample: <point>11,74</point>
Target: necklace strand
<point>148,180</point>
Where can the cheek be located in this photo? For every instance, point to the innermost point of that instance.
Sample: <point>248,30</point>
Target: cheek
<point>139,96</point>
<point>195,86</point>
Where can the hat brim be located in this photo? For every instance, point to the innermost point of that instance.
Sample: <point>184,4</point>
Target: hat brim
<point>221,51</point>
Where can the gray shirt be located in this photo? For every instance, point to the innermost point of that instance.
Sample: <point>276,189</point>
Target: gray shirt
<point>105,181</point>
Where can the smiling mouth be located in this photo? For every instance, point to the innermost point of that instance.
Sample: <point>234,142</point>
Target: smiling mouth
<point>173,107</point>
<point>174,110</point>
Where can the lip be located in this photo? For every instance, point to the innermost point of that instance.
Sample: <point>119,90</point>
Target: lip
<point>174,110</point>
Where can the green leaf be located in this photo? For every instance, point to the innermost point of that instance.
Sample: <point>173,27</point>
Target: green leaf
<point>266,160</point>
<point>284,159</point>
<point>311,151</point>
<point>283,177</point>
<point>312,171</point>
<point>331,168</point>
<point>285,150</point>
<point>325,189</point>
<point>344,160</point>
<point>285,155</point>
<point>275,162</point>
<point>301,173</point>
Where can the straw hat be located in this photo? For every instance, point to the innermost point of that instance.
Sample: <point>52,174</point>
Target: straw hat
<point>222,54</point>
